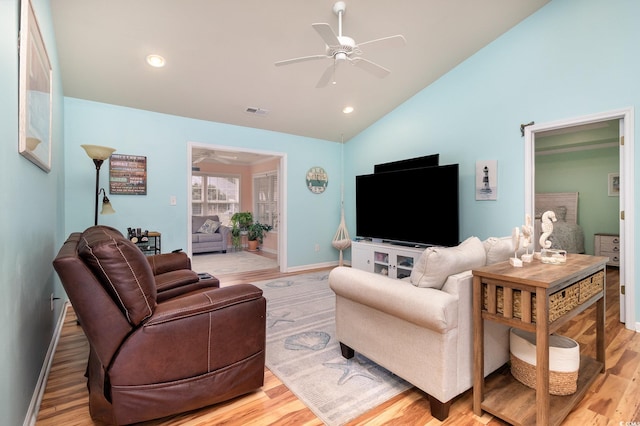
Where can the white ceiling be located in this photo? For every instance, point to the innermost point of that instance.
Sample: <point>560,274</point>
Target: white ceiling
<point>221,53</point>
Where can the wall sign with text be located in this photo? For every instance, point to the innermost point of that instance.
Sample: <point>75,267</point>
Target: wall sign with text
<point>128,174</point>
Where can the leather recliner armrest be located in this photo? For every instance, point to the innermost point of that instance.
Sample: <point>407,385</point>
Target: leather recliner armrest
<point>167,262</point>
<point>207,301</point>
<point>195,334</point>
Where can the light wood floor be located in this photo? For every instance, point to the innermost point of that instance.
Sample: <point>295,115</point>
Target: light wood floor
<point>613,398</point>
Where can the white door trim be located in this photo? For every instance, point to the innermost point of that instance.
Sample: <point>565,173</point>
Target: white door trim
<point>282,187</point>
<point>627,199</point>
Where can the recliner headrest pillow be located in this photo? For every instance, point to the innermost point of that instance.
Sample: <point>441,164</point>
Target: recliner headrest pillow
<point>122,269</point>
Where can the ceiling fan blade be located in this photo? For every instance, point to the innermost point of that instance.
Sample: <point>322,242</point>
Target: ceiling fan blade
<point>300,59</point>
<point>326,77</point>
<point>326,32</point>
<point>386,42</point>
<point>372,67</point>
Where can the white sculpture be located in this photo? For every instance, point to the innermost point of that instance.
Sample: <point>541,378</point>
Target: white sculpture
<point>548,218</point>
<point>515,242</point>
<point>527,235</point>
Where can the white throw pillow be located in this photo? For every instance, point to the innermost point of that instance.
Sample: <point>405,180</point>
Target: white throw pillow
<point>209,227</point>
<point>437,263</point>
<point>500,249</point>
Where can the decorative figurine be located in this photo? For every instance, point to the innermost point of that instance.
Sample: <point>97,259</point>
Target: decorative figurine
<point>527,235</point>
<point>548,218</point>
<point>515,241</point>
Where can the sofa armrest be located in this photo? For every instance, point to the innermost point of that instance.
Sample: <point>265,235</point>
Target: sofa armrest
<point>224,230</point>
<point>167,262</point>
<point>426,307</point>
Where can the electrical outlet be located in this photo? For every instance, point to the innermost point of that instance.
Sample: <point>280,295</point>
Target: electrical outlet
<point>51,301</point>
<point>317,248</point>
<point>172,200</point>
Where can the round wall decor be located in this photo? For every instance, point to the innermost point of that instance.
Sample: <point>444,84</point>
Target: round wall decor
<point>317,180</point>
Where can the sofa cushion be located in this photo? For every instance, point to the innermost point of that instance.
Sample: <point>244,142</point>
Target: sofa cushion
<point>122,269</point>
<point>206,238</point>
<point>209,227</point>
<point>437,263</point>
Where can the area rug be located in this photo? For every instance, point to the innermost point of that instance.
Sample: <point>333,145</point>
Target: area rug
<point>303,353</point>
<point>230,263</point>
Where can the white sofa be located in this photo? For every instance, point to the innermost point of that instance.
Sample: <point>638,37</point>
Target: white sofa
<point>422,334</point>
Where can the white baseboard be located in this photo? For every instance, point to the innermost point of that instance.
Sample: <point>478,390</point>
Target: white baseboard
<point>312,266</point>
<point>38,393</point>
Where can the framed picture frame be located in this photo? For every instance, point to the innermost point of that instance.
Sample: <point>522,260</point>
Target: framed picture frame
<point>613,180</point>
<point>128,174</point>
<point>486,180</point>
<point>35,98</point>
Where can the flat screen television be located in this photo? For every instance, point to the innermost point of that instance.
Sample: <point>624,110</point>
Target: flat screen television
<point>412,163</point>
<point>411,207</point>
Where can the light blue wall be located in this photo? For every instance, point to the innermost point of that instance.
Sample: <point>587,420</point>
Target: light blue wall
<point>569,59</point>
<point>31,222</point>
<point>163,139</point>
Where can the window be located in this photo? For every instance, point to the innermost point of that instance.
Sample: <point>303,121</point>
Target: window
<point>215,195</point>
<point>265,198</point>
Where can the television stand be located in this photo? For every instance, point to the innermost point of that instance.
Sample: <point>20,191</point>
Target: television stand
<point>404,244</point>
<point>387,259</point>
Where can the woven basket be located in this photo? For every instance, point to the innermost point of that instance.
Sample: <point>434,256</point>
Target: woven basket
<point>591,285</point>
<point>564,361</point>
<point>560,302</point>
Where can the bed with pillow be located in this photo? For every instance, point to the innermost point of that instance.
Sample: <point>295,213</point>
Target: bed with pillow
<point>567,233</point>
<point>208,234</point>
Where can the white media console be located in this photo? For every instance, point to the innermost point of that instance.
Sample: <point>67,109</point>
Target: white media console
<point>383,258</point>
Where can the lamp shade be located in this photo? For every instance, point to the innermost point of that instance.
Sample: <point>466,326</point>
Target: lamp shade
<point>107,208</point>
<point>97,152</point>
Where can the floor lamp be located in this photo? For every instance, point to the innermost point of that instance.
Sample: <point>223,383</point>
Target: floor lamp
<point>98,154</point>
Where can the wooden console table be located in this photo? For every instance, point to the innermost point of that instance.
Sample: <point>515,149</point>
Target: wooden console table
<point>495,287</point>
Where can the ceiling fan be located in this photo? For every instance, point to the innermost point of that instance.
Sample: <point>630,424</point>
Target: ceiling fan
<point>205,154</point>
<point>341,48</point>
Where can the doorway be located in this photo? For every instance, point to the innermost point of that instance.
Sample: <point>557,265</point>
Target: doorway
<point>241,162</point>
<point>626,191</point>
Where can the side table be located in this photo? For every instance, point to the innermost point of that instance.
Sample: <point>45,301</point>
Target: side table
<point>150,243</point>
<point>495,287</point>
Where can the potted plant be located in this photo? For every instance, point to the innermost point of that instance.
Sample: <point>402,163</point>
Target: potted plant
<point>242,219</point>
<point>255,234</point>
<point>240,223</point>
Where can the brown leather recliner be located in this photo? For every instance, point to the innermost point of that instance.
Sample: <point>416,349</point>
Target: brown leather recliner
<point>151,358</point>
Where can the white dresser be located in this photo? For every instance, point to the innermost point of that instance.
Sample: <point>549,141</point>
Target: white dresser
<point>608,245</point>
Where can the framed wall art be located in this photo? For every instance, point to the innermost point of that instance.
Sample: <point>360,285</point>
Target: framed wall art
<point>35,92</point>
<point>613,184</point>
<point>487,180</point>
<point>128,174</point>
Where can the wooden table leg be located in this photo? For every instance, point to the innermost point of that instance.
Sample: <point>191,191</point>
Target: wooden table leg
<point>542,357</point>
<point>478,347</point>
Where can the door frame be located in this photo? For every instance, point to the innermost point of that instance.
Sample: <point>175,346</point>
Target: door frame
<point>627,199</point>
<point>282,188</point>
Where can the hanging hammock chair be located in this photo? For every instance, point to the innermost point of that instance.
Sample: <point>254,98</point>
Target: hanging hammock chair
<point>341,240</point>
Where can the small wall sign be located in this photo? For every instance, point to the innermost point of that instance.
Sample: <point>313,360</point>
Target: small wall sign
<point>128,174</point>
<point>317,180</point>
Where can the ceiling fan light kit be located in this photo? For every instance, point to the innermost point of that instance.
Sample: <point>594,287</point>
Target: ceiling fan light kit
<point>340,48</point>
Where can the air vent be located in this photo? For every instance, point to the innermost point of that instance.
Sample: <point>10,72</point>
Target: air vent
<point>256,111</point>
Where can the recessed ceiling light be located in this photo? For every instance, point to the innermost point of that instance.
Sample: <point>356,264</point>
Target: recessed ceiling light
<point>347,109</point>
<point>156,61</point>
